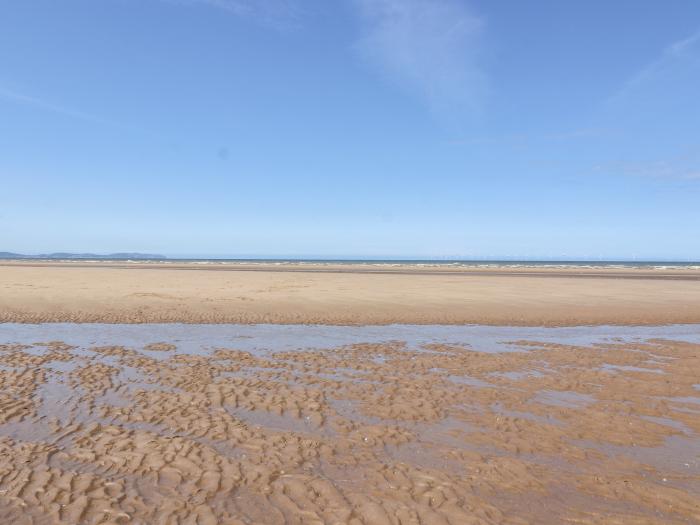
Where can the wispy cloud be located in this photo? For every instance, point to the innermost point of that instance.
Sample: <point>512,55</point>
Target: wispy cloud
<point>527,138</point>
<point>20,98</point>
<point>673,54</point>
<point>69,112</point>
<point>657,107</point>
<point>656,170</point>
<point>429,47</point>
<point>681,46</point>
<point>281,13</point>
<point>681,165</point>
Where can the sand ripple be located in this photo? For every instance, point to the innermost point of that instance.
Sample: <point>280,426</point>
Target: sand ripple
<point>366,433</point>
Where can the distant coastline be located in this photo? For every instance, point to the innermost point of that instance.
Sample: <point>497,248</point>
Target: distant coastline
<point>84,256</point>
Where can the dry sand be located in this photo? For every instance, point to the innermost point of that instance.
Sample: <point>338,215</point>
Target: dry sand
<point>362,434</point>
<point>344,294</point>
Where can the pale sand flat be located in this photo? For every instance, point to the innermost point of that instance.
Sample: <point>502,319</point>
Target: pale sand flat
<point>117,292</point>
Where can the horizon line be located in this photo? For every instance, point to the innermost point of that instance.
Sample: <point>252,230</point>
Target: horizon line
<point>125,255</point>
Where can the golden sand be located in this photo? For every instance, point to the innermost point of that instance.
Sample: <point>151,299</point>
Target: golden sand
<point>345,294</point>
<point>360,434</point>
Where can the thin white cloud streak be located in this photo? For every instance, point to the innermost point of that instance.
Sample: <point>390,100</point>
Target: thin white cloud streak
<point>681,46</point>
<point>682,164</point>
<point>281,13</point>
<point>43,105</point>
<point>19,98</point>
<point>671,55</point>
<point>429,47</point>
<point>668,170</point>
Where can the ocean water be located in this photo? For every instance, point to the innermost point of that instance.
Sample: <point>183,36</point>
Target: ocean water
<point>458,262</point>
<point>467,263</point>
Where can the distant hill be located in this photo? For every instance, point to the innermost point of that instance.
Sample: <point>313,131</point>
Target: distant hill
<point>66,255</point>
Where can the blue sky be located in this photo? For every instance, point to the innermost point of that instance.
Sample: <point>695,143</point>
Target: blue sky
<point>416,128</point>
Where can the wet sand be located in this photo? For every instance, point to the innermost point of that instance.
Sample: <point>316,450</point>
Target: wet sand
<point>368,425</point>
<point>145,292</point>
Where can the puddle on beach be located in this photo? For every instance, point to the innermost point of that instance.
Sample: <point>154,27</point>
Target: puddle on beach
<point>319,424</point>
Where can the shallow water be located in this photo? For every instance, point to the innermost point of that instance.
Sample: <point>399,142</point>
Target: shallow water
<point>260,339</point>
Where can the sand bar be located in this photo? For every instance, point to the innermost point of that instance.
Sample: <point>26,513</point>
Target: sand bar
<point>139,292</point>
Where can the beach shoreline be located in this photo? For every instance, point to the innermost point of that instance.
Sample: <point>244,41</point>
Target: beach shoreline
<point>346,294</point>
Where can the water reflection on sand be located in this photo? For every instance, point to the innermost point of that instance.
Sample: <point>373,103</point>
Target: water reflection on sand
<point>319,424</point>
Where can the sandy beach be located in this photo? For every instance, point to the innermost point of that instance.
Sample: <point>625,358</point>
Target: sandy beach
<point>428,422</point>
<point>376,395</point>
<point>201,424</point>
<point>141,292</point>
